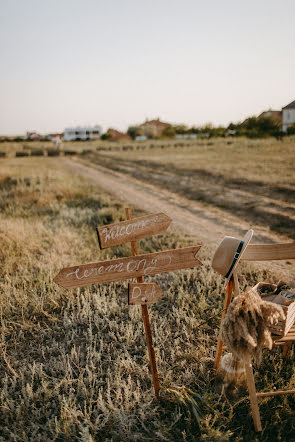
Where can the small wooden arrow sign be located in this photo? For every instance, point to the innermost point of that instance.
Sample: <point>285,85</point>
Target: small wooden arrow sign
<point>143,293</point>
<point>132,230</point>
<point>127,268</point>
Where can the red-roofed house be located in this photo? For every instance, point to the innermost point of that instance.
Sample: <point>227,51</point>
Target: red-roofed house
<point>153,128</point>
<point>115,135</point>
<point>275,115</point>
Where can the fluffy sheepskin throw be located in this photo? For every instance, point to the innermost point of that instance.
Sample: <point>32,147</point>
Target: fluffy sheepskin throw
<point>245,330</point>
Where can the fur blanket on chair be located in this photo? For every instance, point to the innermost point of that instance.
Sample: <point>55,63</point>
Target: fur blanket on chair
<point>245,330</point>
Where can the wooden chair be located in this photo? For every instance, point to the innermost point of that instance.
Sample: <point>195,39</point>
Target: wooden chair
<point>263,252</point>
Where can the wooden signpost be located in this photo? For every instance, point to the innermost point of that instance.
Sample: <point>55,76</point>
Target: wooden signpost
<point>127,268</point>
<point>136,266</point>
<point>132,230</point>
<point>140,294</point>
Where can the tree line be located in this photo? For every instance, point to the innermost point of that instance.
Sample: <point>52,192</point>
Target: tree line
<point>253,127</point>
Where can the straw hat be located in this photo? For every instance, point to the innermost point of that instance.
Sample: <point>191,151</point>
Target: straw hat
<point>228,254</point>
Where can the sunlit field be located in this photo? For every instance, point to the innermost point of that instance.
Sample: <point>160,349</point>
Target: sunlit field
<point>253,179</point>
<point>74,364</point>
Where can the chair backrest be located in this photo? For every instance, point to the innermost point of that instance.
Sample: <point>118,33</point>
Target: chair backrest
<point>265,252</point>
<point>269,252</point>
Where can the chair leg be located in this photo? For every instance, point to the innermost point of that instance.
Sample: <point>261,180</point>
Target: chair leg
<point>227,300</point>
<point>286,350</point>
<point>218,352</point>
<point>253,397</point>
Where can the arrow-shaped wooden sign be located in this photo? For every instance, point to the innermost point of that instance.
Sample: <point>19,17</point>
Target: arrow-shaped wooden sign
<point>127,268</point>
<point>132,230</point>
<point>143,293</point>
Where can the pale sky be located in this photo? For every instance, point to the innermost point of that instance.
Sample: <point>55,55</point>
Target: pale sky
<point>118,62</point>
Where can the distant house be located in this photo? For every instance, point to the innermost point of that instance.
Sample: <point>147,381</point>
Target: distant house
<point>115,135</point>
<point>56,137</point>
<point>276,116</point>
<point>32,136</point>
<point>82,133</point>
<point>288,116</point>
<point>153,128</point>
<point>187,136</point>
<point>230,132</point>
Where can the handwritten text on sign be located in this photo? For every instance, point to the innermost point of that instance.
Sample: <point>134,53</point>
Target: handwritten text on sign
<point>131,230</point>
<point>126,268</point>
<point>143,293</point>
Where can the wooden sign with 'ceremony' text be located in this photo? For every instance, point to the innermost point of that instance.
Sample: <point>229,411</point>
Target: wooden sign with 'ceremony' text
<point>127,268</point>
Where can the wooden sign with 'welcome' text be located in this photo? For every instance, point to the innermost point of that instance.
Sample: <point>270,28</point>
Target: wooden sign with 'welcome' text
<point>132,230</point>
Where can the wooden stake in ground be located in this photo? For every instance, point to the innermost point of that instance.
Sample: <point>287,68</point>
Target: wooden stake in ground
<point>147,325</point>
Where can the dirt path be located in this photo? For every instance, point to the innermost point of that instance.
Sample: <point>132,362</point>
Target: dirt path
<point>206,223</point>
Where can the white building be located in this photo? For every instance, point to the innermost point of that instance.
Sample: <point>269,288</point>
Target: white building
<point>187,136</point>
<point>288,116</point>
<point>82,133</point>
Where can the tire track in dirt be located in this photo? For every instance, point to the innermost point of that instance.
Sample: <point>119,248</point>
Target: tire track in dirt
<point>253,201</point>
<point>207,224</point>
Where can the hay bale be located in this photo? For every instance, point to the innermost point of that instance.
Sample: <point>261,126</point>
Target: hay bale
<point>86,151</point>
<point>70,152</point>
<point>21,154</point>
<point>53,153</point>
<point>37,153</point>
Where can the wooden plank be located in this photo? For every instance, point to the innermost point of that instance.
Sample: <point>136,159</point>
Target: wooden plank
<point>276,393</point>
<point>286,338</point>
<point>141,294</point>
<point>132,230</point>
<point>126,268</point>
<point>269,252</point>
<point>286,350</point>
<point>253,397</point>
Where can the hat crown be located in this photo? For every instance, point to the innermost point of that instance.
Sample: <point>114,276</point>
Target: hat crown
<point>229,252</point>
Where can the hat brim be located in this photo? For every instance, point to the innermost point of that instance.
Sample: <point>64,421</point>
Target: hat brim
<point>247,238</point>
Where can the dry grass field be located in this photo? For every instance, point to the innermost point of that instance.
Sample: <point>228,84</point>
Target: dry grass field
<point>74,364</point>
<point>254,179</point>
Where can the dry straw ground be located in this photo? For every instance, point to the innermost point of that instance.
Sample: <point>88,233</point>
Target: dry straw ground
<point>74,364</point>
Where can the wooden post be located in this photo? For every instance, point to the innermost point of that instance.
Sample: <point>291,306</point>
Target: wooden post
<point>286,350</point>
<point>253,397</point>
<point>227,300</point>
<point>236,283</point>
<point>275,393</point>
<point>147,325</point>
